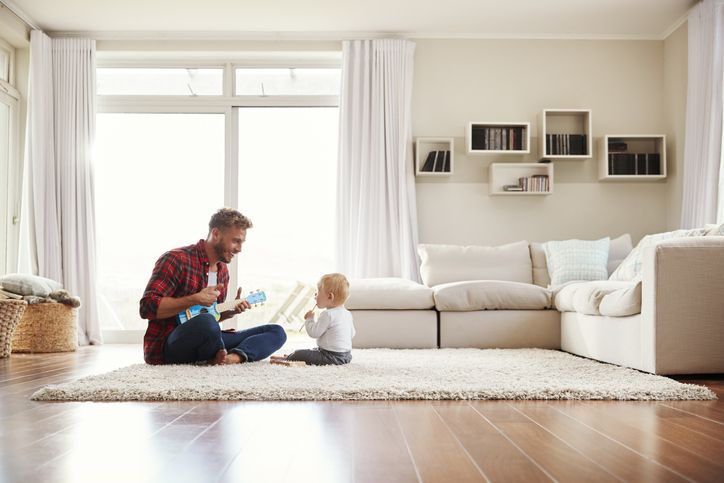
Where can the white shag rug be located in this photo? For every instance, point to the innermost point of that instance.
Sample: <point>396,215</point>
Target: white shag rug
<point>385,374</point>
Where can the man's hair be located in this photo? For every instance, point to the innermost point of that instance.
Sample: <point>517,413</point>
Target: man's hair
<point>227,218</point>
<point>337,284</point>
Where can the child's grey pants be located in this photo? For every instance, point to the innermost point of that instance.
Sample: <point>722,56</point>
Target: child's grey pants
<point>320,357</point>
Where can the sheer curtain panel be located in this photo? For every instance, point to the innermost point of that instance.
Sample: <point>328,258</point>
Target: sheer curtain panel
<point>703,195</point>
<point>59,216</point>
<point>376,209</point>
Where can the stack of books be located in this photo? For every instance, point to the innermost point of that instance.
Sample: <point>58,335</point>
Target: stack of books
<point>437,162</point>
<point>566,144</point>
<point>537,183</point>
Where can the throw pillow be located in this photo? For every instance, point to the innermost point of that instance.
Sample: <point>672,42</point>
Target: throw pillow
<point>454,263</point>
<point>714,230</point>
<point>26,284</point>
<point>618,249</point>
<point>570,260</point>
<point>630,268</point>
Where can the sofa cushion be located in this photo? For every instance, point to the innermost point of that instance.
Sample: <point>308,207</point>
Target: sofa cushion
<point>27,284</point>
<point>388,293</point>
<point>714,230</point>
<point>618,249</point>
<point>490,295</point>
<point>569,260</point>
<point>587,297</point>
<point>622,302</point>
<point>630,268</point>
<point>453,263</point>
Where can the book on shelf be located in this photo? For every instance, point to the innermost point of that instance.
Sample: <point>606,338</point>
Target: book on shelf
<point>446,162</point>
<point>429,162</point>
<point>637,164</point>
<point>566,144</point>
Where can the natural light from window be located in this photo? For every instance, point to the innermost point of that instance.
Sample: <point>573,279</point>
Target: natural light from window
<point>287,179</point>
<point>158,179</point>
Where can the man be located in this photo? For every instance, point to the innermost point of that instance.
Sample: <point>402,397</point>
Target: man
<point>198,275</point>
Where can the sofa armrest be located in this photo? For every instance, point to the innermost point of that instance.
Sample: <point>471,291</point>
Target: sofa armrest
<point>683,305</point>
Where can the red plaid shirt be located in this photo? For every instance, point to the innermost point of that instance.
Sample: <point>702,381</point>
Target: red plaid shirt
<point>179,272</point>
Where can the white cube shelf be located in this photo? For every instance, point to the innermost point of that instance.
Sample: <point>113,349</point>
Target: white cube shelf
<point>497,138</point>
<point>425,146</point>
<point>565,133</point>
<point>632,157</point>
<point>502,174</point>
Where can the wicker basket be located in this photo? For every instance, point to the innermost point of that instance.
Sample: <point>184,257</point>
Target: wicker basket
<point>10,313</point>
<point>47,327</point>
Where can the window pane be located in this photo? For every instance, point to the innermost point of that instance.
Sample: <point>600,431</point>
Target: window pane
<point>287,81</point>
<point>159,178</point>
<point>159,82</point>
<point>287,179</point>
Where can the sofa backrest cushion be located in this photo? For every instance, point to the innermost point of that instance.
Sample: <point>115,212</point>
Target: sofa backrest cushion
<point>618,249</point>
<point>630,268</point>
<point>455,263</point>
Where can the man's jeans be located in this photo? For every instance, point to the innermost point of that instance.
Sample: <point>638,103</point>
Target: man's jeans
<point>200,338</point>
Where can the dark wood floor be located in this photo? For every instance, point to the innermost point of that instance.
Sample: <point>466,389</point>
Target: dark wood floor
<point>447,441</point>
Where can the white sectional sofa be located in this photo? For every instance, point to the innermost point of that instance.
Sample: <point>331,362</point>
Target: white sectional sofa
<point>671,321</point>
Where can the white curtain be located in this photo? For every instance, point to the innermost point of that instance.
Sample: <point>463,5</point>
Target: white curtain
<point>59,221</point>
<point>703,190</point>
<point>376,208</point>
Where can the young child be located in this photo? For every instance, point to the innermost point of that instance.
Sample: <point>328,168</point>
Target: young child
<point>334,329</point>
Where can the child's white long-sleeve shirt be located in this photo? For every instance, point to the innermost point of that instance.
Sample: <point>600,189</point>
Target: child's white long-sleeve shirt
<point>333,330</point>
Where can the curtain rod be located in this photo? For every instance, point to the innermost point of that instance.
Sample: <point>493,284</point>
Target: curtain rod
<point>19,15</point>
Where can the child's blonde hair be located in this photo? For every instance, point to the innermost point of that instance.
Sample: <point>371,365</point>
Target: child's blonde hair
<point>337,284</point>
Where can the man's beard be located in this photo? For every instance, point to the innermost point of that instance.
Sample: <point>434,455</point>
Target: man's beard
<point>219,250</point>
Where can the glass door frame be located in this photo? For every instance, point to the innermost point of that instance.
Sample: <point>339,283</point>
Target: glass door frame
<point>225,104</point>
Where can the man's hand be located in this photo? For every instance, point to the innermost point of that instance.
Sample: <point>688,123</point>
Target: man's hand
<point>241,305</point>
<point>208,295</point>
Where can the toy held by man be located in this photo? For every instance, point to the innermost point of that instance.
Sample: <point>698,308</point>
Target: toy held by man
<point>257,297</point>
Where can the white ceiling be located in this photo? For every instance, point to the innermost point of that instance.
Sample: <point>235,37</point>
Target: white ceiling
<point>345,18</point>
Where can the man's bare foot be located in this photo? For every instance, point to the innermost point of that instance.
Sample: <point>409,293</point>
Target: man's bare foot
<point>233,358</point>
<point>218,358</point>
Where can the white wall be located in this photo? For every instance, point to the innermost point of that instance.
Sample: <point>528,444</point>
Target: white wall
<point>457,81</point>
<point>675,84</point>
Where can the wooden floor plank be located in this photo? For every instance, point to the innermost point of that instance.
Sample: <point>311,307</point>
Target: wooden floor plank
<point>643,438</point>
<point>495,455</point>
<point>557,458</point>
<point>608,453</point>
<point>437,454</point>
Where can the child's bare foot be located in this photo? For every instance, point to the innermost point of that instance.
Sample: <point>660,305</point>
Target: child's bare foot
<point>218,358</point>
<point>233,358</point>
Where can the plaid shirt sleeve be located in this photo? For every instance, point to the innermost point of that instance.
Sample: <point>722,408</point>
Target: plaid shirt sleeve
<point>164,283</point>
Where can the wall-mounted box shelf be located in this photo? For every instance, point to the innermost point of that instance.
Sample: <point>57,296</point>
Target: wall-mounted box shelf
<point>434,156</point>
<point>532,178</point>
<point>632,157</point>
<point>565,133</point>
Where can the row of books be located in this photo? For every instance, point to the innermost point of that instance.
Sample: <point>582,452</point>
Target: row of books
<point>437,162</point>
<point>497,138</point>
<point>538,183</point>
<point>566,144</point>
<point>634,163</point>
